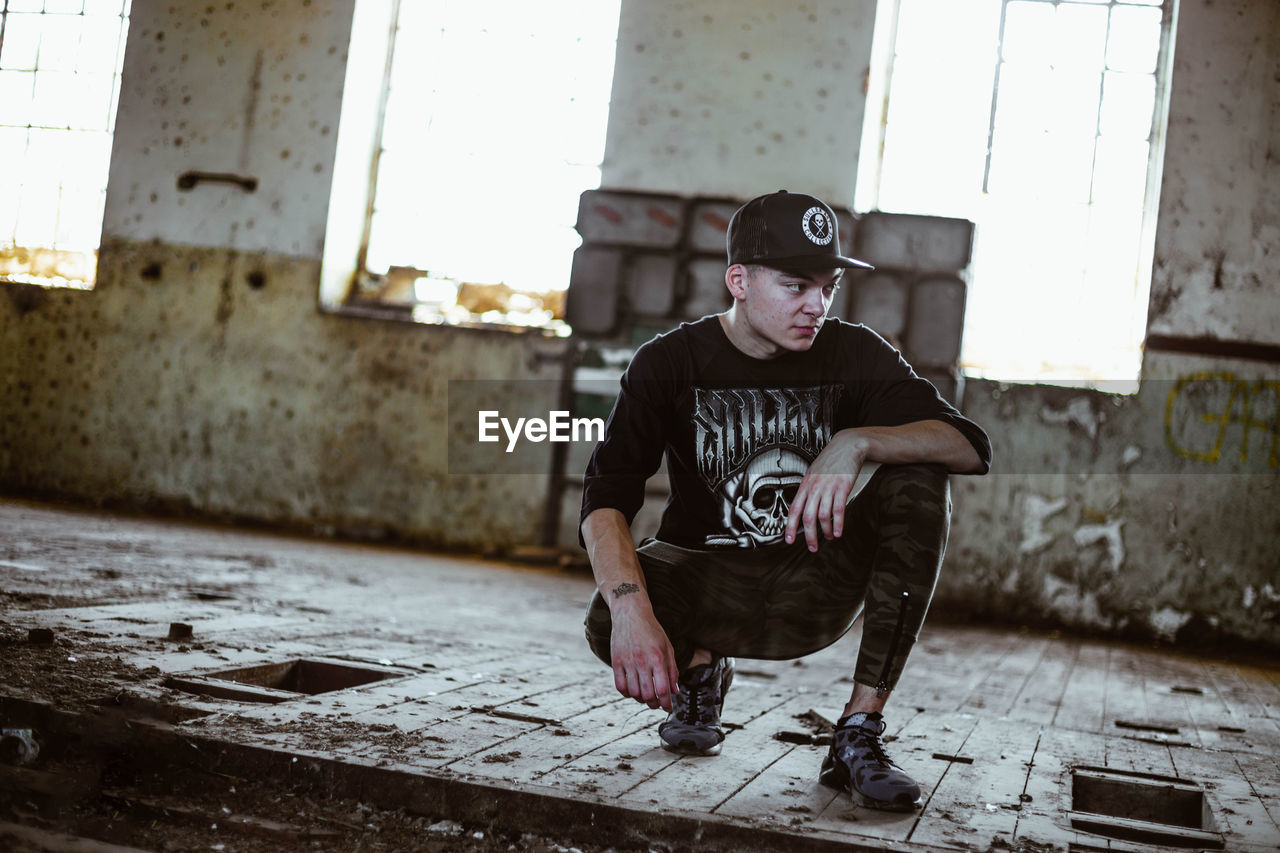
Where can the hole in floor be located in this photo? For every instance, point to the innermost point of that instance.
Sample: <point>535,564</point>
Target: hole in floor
<point>278,682</point>
<point>1142,807</point>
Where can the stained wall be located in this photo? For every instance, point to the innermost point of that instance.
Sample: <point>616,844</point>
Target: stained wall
<point>1157,514</point>
<point>200,374</point>
<point>1217,248</point>
<point>739,99</point>
<point>1153,515</point>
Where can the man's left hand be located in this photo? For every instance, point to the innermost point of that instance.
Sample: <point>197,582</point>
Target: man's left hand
<point>820,500</point>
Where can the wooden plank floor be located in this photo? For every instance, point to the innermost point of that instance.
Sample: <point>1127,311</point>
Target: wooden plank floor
<point>498,686</point>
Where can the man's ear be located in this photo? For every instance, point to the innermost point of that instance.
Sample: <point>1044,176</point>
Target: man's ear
<point>735,278</point>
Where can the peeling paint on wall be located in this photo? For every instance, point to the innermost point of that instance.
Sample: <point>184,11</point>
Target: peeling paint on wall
<point>1166,622</point>
<point>1110,534</point>
<point>1078,412</point>
<point>1034,512</point>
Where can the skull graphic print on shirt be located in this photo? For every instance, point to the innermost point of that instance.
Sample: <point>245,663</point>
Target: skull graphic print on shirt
<point>753,448</point>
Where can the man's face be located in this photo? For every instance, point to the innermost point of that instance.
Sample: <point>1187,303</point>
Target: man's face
<point>783,311</point>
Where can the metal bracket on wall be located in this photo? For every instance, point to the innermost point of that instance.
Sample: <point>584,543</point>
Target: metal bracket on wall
<point>188,180</point>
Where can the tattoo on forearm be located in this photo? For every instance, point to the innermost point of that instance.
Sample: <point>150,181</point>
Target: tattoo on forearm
<point>624,589</point>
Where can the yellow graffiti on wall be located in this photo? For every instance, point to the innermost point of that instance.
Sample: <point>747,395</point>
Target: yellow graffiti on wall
<point>1241,397</point>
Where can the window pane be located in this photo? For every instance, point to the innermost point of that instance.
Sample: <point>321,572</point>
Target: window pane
<point>15,97</point>
<point>935,143</point>
<point>21,41</point>
<point>88,159</point>
<point>99,42</point>
<point>1041,166</point>
<point>1029,35</point>
<point>1060,223</point>
<point>1074,102</point>
<point>59,42</point>
<point>960,30</point>
<point>88,110</point>
<point>48,152</point>
<point>1021,100</point>
<point>64,7</point>
<point>452,106</point>
<point>1128,102</point>
<point>37,213</point>
<point>1134,44</point>
<point>52,189</point>
<point>1120,174</point>
<point>79,220</point>
<point>103,7</point>
<point>13,151</point>
<point>58,99</point>
<point>1082,36</point>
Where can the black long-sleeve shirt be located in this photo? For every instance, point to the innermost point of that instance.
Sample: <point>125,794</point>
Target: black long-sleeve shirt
<point>739,432</point>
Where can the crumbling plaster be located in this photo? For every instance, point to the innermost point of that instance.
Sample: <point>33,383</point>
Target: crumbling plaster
<point>1101,513</point>
<point>200,373</point>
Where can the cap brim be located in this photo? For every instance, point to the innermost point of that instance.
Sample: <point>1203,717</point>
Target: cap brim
<point>813,262</point>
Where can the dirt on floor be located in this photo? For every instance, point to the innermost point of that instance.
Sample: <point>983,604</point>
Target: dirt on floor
<point>76,787</point>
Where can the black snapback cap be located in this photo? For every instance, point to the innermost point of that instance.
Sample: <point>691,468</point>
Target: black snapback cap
<point>790,231</point>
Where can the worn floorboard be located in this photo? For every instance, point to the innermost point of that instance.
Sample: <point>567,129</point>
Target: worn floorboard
<point>497,688</point>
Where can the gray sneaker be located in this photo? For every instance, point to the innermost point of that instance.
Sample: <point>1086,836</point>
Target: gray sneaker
<point>858,765</point>
<point>693,727</point>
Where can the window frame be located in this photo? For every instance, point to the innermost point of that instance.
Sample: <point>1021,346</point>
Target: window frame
<point>875,132</point>
<point>22,264</point>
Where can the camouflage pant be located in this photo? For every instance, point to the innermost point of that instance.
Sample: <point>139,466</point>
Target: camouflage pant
<point>782,601</point>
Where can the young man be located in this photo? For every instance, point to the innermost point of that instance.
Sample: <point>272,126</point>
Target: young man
<point>772,417</point>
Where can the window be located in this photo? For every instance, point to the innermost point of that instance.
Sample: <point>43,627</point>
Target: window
<point>493,123</point>
<point>1039,120</point>
<point>60,66</point>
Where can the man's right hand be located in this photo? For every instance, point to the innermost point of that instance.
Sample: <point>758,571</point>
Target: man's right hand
<point>644,663</point>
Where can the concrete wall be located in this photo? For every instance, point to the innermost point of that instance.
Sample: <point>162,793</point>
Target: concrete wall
<point>200,373</point>
<point>1217,258</point>
<point>1104,512</point>
<point>1112,513</point>
<point>1158,514</point>
<point>721,97</point>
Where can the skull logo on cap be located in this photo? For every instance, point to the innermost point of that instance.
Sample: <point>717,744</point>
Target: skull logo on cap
<point>817,226</point>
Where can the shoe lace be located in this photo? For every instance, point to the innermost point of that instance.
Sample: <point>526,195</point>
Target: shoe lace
<point>696,700</point>
<point>877,749</point>
<point>691,708</point>
<point>870,741</point>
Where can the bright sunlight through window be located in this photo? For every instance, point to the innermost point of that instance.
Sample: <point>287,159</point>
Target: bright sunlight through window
<point>60,66</point>
<point>495,124</point>
<point>1055,168</point>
